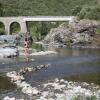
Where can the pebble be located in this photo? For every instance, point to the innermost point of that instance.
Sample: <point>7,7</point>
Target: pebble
<point>67,89</point>
<point>18,78</point>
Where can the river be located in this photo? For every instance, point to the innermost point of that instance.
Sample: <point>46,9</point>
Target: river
<point>74,64</point>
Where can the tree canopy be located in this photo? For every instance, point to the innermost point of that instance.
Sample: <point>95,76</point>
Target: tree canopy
<point>43,7</point>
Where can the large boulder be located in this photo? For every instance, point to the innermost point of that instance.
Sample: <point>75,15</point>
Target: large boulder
<point>85,26</point>
<point>84,32</point>
<point>79,32</point>
<point>57,35</point>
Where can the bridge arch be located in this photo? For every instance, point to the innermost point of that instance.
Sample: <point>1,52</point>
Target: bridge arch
<point>2,28</point>
<point>15,27</point>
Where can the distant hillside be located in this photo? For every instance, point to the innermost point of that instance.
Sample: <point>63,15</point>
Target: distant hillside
<point>43,7</point>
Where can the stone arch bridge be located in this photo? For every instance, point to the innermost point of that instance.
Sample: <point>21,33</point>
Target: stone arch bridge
<point>7,21</point>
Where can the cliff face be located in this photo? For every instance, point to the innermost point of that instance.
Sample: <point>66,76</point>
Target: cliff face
<point>79,33</point>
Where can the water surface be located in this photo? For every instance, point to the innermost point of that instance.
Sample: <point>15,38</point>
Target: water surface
<point>67,62</point>
<point>71,64</point>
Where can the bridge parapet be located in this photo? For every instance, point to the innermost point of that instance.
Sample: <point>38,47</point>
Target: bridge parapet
<point>48,18</point>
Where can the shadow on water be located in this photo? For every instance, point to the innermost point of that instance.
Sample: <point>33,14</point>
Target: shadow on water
<point>5,84</point>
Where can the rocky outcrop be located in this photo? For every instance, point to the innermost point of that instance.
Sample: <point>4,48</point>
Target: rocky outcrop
<point>79,33</point>
<point>57,35</point>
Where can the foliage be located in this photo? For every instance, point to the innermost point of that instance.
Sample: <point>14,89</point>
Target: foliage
<point>91,98</point>
<point>38,47</point>
<point>15,28</point>
<point>2,32</point>
<point>42,7</point>
<point>80,97</point>
<point>2,25</point>
<point>1,9</point>
<point>77,97</point>
<point>83,12</point>
<point>41,29</point>
<point>92,13</point>
<point>98,31</point>
<point>76,10</point>
<point>2,29</point>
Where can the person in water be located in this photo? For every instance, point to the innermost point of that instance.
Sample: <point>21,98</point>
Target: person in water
<point>26,48</point>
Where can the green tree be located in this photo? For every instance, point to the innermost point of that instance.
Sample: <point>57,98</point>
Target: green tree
<point>15,28</point>
<point>91,12</point>
<point>2,28</point>
<point>83,12</point>
<point>76,10</point>
<point>43,7</point>
<point>40,29</point>
<point>94,13</point>
<point>1,10</point>
<point>2,32</point>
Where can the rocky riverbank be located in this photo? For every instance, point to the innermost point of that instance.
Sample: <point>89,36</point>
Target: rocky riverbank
<point>51,88</point>
<point>58,89</point>
<point>78,34</point>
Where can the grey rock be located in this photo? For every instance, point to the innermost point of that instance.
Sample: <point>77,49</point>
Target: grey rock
<point>79,33</point>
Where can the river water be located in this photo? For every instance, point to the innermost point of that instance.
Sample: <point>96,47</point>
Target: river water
<point>73,64</point>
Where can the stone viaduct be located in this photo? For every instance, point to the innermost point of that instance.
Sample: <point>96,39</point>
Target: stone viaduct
<point>7,21</point>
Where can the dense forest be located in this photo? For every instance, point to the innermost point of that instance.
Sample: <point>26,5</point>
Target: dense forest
<point>84,9</point>
<point>81,8</point>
